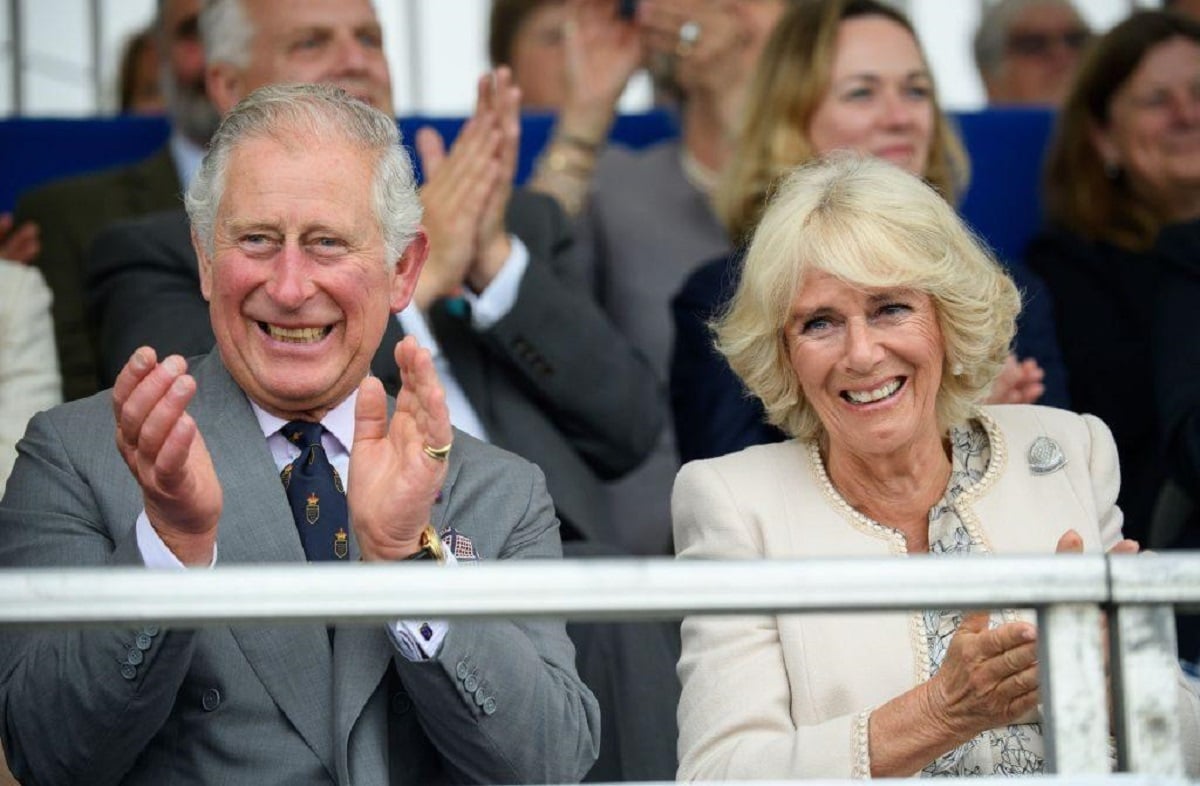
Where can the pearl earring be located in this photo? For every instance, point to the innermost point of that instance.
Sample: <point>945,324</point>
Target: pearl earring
<point>957,369</point>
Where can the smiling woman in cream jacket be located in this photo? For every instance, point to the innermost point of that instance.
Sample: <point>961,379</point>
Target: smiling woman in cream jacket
<point>870,323</point>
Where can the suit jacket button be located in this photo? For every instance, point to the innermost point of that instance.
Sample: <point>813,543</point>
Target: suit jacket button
<point>128,672</point>
<point>461,669</point>
<point>211,699</point>
<point>150,630</point>
<point>489,706</point>
<point>471,683</point>
<point>480,699</point>
<point>134,657</point>
<point>401,703</point>
<point>143,641</point>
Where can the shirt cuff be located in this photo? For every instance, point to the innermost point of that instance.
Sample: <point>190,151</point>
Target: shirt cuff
<point>497,299</point>
<point>419,640</point>
<point>155,553</point>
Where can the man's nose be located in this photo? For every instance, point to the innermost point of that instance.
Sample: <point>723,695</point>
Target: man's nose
<point>290,284</point>
<point>351,55</point>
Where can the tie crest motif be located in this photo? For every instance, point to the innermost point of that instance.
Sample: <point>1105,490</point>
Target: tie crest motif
<point>316,495</point>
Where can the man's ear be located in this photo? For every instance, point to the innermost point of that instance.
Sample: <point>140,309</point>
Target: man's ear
<point>223,83</point>
<point>204,265</point>
<point>408,271</point>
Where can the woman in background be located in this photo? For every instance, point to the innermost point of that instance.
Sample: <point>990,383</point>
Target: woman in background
<point>1123,200</point>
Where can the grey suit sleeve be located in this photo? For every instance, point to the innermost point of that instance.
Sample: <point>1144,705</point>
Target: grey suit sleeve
<point>502,701</point>
<point>143,288</point>
<point>77,705</point>
<point>595,386</point>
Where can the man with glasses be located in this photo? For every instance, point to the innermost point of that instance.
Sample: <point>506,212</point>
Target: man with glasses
<point>1027,51</point>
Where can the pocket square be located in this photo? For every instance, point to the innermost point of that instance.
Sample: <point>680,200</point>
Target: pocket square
<point>459,545</point>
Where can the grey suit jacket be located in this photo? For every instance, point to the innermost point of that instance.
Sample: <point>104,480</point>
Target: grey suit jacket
<point>273,704</point>
<point>553,381</point>
<point>70,212</point>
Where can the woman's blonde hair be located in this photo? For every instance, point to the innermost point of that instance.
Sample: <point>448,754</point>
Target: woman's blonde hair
<point>791,79</point>
<point>869,224</point>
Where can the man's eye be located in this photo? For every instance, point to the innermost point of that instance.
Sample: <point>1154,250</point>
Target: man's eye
<point>327,245</point>
<point>371,39</point>
<point>309,42</point>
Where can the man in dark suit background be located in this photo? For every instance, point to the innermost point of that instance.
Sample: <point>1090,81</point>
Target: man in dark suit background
<point>180,468</point>
<point>530,363</point>
<point>71,211</point>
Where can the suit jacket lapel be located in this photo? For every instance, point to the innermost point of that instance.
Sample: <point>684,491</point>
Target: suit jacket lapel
<point>293,662</point>
<point>383,364</point>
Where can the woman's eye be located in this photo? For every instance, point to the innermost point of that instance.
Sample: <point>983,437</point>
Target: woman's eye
<point>815,325</point>
<point>894,310</point>
<point>921,92</point>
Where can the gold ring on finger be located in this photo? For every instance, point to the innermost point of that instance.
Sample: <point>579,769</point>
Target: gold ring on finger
<point>438,454</point>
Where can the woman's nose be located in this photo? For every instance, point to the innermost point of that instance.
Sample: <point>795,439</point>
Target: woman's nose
<point>863,350</point>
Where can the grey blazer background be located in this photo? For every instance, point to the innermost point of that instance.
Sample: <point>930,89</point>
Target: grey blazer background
<point>273,704</point>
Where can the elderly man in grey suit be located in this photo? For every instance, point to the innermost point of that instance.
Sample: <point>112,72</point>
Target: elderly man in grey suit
<point>306,224</point>
<point>528,360</point>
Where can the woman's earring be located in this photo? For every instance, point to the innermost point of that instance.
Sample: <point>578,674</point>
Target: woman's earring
<point>957,369</point>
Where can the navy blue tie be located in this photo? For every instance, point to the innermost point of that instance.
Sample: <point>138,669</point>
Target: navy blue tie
<point>316,495</point>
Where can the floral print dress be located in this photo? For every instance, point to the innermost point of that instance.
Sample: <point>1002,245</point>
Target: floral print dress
<point>1017,749</point>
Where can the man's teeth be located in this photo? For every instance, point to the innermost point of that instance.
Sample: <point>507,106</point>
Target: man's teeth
<point>867,396</point>
<point>302,335</point>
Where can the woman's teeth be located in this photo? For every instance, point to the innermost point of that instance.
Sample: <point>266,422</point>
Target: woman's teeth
<point>879,393</point>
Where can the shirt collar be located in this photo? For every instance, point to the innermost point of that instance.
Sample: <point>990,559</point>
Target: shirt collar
<point>186,156</point>
<point>338,422</point>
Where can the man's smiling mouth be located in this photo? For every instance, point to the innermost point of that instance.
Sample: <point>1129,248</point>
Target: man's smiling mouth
<point>301,335</point>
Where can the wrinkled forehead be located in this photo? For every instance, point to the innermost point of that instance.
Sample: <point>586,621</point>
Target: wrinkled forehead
<point>280,18</point>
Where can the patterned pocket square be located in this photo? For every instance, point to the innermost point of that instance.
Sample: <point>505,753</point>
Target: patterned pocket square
<point>459,545</point>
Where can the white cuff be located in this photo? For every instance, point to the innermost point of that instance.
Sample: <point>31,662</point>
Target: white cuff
<point>155,553</point>
<point>421,640</point>
<point>493,303</point>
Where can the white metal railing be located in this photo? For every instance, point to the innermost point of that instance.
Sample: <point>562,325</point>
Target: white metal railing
<point>1072,595</point>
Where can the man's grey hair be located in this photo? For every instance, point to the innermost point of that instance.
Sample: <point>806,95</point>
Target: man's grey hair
<point>293,115</point>
<point>995,24</point>
<point>226,32</point>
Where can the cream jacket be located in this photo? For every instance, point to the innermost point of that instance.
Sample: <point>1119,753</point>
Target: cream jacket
<point>790,696</point>
<point>29,378</point>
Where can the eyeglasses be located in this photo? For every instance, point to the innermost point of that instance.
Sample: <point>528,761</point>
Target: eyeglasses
<point>1040,44</point>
